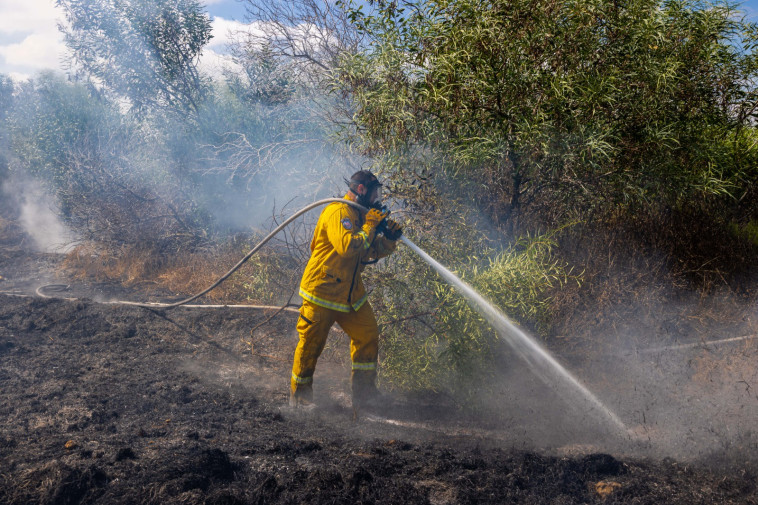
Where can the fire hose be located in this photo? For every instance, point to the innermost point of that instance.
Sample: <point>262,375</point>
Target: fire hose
<point>186,301</point>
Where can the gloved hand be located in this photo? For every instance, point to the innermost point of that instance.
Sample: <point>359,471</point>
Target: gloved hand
<point>393,231</point>
<point>374,217</point>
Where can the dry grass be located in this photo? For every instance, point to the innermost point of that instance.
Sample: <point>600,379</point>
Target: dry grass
<point>266,278</point>
<point>655,276</point>
<point>128,266</point>
<point>10,231</point>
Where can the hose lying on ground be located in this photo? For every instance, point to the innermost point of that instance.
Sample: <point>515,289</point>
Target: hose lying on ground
<point>62,287</point>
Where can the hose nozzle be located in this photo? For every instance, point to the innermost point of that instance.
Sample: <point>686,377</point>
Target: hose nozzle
<point>382,227</point>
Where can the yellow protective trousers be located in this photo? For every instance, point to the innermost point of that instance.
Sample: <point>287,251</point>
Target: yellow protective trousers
<point>313,327</point>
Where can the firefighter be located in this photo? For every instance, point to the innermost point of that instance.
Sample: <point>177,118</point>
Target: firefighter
<point>344,242</point>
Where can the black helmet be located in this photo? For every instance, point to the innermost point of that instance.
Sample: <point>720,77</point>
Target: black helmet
<point>368,180</point>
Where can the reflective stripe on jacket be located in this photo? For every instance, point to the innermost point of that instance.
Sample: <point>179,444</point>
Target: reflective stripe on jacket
<point>341,246</point>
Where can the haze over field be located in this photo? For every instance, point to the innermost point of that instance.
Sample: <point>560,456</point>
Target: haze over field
<point>588,169</point>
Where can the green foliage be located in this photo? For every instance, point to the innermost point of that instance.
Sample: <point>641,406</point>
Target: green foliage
<point>54,123</point>
<point>581,104</point>
<point>547,112</point>
<point>520,280</point>
<point>143,50</point>
<point>263,80</point>
<point>431,338</point>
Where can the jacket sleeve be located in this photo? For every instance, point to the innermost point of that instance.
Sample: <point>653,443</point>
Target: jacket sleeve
<point>381,247</point>
<point>346,238</point>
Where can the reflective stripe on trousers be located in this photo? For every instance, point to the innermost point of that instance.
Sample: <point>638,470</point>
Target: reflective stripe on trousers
<point>302,380</point>
<point>364,366</point>
<point>332,305</point>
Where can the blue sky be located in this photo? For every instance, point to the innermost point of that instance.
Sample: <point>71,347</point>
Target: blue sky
<point>30,41</point>
<point>233,9</point>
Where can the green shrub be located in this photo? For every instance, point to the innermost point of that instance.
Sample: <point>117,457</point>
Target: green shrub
<point>433,340</point>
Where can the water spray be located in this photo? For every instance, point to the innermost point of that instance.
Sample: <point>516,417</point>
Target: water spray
<point>541,361</point>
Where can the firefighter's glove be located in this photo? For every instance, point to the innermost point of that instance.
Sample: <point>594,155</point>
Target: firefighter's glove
<point>373,218</point>
<point>392,231</point>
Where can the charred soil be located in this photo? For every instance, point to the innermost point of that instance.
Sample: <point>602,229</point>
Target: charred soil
<point>113,404</point>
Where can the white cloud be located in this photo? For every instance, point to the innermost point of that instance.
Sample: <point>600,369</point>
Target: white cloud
<point>33,25</point>
<point>229,30</point>
<point>38,50</point>
<point>215,56</point>
<point>214,64</point>
<point>25,16</point>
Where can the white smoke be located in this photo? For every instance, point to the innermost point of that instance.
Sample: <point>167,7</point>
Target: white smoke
<point>38,214</point>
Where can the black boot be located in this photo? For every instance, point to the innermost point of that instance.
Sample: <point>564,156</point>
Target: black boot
<point>365,394</point>
<point>302,398</point>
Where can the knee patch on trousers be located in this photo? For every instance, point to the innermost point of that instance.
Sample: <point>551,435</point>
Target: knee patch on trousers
<point>309,318</point>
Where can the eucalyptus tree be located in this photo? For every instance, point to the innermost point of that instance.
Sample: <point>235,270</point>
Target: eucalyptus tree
<point>144,51</point>
<point>575,104</point>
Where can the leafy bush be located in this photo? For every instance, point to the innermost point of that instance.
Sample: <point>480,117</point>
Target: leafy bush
<point>431,338</point>
<point>577,106</point>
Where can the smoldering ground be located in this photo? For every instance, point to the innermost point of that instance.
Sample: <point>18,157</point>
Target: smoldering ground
<point>38,213</point>
<point>680,395</point>
<point>120,405</point>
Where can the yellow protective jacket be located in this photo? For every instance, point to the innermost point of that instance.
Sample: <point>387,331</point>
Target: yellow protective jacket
<point>341,247</point>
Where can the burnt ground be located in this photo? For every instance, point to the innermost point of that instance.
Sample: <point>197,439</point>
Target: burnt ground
<point>114,404</point>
